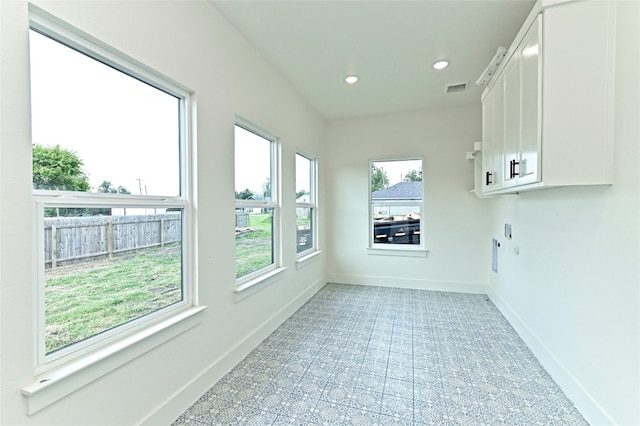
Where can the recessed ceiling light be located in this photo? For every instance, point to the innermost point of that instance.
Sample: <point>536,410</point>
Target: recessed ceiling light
<point>351,79</point>
<point>441,65</point>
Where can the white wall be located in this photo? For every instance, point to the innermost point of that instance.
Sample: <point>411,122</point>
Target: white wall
<point>573,291</point>
<point>456,221</point>
<point>192,44</point>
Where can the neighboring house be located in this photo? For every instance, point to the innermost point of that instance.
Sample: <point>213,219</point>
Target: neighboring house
<point>399,191</point>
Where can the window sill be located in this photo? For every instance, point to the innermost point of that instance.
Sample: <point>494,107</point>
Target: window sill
<point>304,260</point>
<point>60,382</point>
<point>251,287</point>
<point>397,251</point>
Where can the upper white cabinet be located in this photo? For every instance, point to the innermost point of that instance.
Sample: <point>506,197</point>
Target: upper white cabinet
<point>492,129</point>
<point>547,113</point>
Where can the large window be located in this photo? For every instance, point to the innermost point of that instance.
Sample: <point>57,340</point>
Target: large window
<point>305,204</point>
<point>256,201</point>
<point>396,203</point>
<point>110,187</point>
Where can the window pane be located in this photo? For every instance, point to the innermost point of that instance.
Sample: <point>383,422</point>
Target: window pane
<point>386,174</point>
<point>105,267</point>
<point>396,197</point>
<point>97,129</point>
<point>252,166</point>
<point>303,179</point>
<point>304,227</point>
<point>254,242</point>
<point>396,224</point>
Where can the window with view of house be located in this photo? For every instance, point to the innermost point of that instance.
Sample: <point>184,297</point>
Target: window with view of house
<point>256,201</point>
<point>305,204</point>
<point>396,203</point>
<point>110,172</point>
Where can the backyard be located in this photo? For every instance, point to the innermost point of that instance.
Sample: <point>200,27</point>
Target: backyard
<point>91,297</point>
<point>253,244</point>
<point>88,298</point>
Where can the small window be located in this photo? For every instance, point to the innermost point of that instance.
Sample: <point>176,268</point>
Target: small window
<point>305,204</point>
<point>256,202</point>
<point>396,203</point>
<point>109,165</point>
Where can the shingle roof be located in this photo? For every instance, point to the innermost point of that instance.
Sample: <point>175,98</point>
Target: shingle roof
<point>399,191</point>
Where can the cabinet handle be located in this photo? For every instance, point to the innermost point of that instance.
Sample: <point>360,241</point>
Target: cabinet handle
<point>512,168</point>
<point>487,178</point>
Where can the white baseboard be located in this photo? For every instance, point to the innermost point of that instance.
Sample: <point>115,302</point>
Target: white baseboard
<point>183,398</point>
<point>454,286</point>
<point>571,387</point>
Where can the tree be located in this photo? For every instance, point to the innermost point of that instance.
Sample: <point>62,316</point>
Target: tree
<point>413,176</point>
<point>58,168</point>
<point>379,179</point>
<point>106,188</point>
<point>245,194</point>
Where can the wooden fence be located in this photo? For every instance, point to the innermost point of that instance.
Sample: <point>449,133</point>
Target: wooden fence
<point>242,218</point>
<point>70,240</point>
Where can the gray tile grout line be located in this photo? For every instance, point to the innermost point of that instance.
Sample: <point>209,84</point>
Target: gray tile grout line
<point>445,314</point>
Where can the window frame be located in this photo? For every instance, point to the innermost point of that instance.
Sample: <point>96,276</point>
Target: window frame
<point>255,277</point>
<point>312,204</point>
<point>108,340</point>
<point>410,250</point>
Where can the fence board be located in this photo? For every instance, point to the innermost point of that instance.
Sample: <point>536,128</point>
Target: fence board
<point>242,219</point>
<point>72,239</point>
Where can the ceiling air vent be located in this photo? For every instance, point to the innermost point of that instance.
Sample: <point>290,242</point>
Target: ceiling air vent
<point>457,87</point>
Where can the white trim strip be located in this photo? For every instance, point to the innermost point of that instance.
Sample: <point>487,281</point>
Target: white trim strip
<point>56,384</point>
<point>249,288</point>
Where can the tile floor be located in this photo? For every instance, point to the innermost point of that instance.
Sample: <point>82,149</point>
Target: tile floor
<point>357,355</point>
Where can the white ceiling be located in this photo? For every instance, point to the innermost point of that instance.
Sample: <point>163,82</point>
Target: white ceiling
<point>391,45</point>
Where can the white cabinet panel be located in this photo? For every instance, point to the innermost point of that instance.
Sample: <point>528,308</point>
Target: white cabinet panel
<point>512,122</point>
<point>527,164</point>
<point>492,130</point>
<point>555,92</point>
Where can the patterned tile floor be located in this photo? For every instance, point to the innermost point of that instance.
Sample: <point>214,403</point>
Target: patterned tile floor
<point>356,355</point>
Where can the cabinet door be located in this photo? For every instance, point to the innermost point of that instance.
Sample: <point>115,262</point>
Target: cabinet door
<point>492,123</point>
<point>529,51</point>
<point>487,141</point>
<point>487,138</point>
<point>511,142</point>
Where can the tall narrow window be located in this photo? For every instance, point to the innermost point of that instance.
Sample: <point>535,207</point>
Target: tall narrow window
<point>256,202</point>
<point>396,203</point>
<point>305,204</point>
<point>109,179</point>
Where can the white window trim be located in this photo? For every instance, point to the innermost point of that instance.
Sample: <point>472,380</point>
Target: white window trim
<point>54,385</point>
<point>57,376</point>
<point>250,287</point>
<point>267,273</point>
<point>397,249</point>
<point>313,205</point>
<point>304,260</point>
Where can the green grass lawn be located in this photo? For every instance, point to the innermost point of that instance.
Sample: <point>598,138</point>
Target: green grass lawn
<point>253,249</point>
<point>89,298</point>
